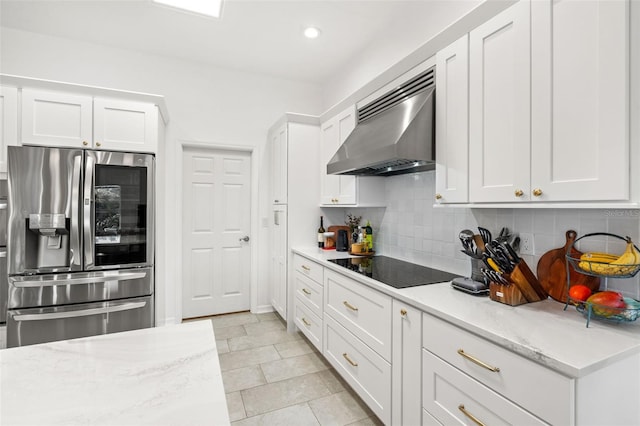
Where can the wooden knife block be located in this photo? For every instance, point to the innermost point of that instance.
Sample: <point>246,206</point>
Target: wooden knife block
<point>523,287</point>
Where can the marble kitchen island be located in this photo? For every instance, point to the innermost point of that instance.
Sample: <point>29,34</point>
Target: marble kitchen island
<point>158,376</point>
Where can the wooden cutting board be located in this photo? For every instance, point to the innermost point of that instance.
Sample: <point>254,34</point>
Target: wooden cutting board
<point>335,229</point>
<point>552,271</point>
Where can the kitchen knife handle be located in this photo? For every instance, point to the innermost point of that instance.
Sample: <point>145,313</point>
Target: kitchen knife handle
<point>477,361</point>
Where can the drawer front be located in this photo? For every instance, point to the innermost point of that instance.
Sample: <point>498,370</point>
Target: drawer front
<point>367,373</point>
<point>452,397</point>
<point>361,310</point>
<point>307,267</point>
<point>309,292</point>
<point>538,389</point>
<point>309,323</point>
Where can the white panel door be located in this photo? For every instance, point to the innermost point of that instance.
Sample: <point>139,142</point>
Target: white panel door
<point>8,123</point>
<point>125,126</point>
<point>499,107</point>
<point>216,218</point>
<point>452,123</point>
<point>56,119</point>
<point>580,117</point>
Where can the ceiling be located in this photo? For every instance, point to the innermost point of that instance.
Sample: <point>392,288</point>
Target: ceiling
<point>263,36</point>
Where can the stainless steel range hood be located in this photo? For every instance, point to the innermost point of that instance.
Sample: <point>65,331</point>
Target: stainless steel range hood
<point>395,133</point>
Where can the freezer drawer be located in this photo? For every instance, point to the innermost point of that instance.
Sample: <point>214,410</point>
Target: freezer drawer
<point>40,325</point>
<point>79,287</point>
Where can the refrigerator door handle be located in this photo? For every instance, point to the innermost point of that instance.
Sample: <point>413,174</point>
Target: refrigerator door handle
<point>81,313</point>
<point>73,281</point>
<point>76,255</point>
<point>3,205</point>
<point>88,197</point>
<point>3,253</point>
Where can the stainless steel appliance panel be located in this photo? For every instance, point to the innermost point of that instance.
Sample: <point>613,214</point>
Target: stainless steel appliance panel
<point>43,187</point>
<point>118,210</point>
<point>80,287</point>
<point>40,325</point>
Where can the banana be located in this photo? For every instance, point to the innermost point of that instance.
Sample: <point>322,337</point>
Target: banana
<point>608,264</point>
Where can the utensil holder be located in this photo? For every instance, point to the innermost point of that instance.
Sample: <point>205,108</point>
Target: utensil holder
<point>523,287</point>
<point>476,264</point>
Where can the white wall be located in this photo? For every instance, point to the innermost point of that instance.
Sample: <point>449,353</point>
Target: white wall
<point>205,104</point>
<point>399,42</point>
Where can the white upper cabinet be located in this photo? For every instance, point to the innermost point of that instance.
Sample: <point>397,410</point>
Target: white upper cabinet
<point>56,119</point>
<point>345,190</point>
<point>78,121</point>
<point>8,123</point>
<point>279,165</point>
<point>499,107</point>
<point>549,103</point>
<point>336,189</point>
<point>452,123</point>
<point>579,98</point>
<point>125,125</point>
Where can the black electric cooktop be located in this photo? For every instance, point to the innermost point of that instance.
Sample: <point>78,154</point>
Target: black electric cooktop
<point>393,272</point>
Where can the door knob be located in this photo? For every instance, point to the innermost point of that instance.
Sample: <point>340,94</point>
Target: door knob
<point>245,239</point>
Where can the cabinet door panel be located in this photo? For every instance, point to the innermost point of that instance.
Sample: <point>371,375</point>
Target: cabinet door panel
<point>452,122</point>
<point>8,122</point>
<point>278,272</point>
<point>579,103</point>
<point>56,119</point>
<point>499,121</point>
<point>337,189</point>
<point>125,126</point>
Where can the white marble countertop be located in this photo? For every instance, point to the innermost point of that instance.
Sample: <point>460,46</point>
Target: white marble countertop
<point>157,376</point>
<point>543,331</point>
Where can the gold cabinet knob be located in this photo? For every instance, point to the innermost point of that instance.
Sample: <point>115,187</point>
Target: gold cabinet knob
<point>403,312</point>
<point>537,192</point>
<point>519,192</point>
<point>85,143</point>
<point>98,144</point>
<point>438,196</point>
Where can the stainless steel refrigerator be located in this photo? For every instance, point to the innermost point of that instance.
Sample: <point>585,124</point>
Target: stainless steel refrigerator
<point>80,249</point>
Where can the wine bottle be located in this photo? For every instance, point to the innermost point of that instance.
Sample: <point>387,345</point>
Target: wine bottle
<point>321,234</point>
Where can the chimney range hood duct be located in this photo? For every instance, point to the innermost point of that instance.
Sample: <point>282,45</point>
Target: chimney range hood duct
<point>395,133</point>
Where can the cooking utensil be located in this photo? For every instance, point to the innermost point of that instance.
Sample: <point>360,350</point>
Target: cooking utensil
<point>552,271</point>
<point>485,234</point>
<point>466,238</point>
<point>479,242</point>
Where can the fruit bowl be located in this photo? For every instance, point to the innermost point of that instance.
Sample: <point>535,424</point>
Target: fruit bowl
<point>608,313</point>
<point>600,264</point>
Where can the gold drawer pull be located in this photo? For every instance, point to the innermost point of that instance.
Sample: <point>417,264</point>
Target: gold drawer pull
<point>403,312</point>
<point>305,291</point>
<point>477,361</point>
<point>306,268</point>
<point>355,364</point>
<point>349,305</point>
<point>469,415</point>
<point>537,192</point>
<point>307,323</point>
<point>519,193</point>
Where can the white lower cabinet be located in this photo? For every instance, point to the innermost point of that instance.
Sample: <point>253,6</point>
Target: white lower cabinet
<point>453,397</point>
<point>525,383</point>
<point>406,384</point>
<point>365,370</point>
<point>309,298</point>
<point>309,323</point>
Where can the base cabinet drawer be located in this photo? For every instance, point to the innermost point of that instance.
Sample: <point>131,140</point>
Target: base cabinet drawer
<point>309,292</point>
<point>532,386</point>
<point>452,397</point>
<point>366,371</point>
<point>309,268</point>
<point>362,310</point>
<point>309,323</point>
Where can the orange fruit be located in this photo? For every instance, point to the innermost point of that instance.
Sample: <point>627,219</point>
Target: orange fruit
<point>579,292</point>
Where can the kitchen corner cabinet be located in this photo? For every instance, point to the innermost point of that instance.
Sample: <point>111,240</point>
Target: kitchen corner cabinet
<point>406,379</point>
<point>345,190</point>
<point>548,103</point>
<point>452,123</point>
<point>80,121</point>
<point>8,124</point>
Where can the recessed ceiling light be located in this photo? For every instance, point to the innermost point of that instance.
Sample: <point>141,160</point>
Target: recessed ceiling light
<point>311,32</point>
<point>210,8</point>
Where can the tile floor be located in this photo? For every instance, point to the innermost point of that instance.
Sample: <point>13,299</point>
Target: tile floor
<point>272,377</point>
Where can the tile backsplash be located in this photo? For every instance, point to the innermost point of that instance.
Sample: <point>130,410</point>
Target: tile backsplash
<point>410,228</point>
